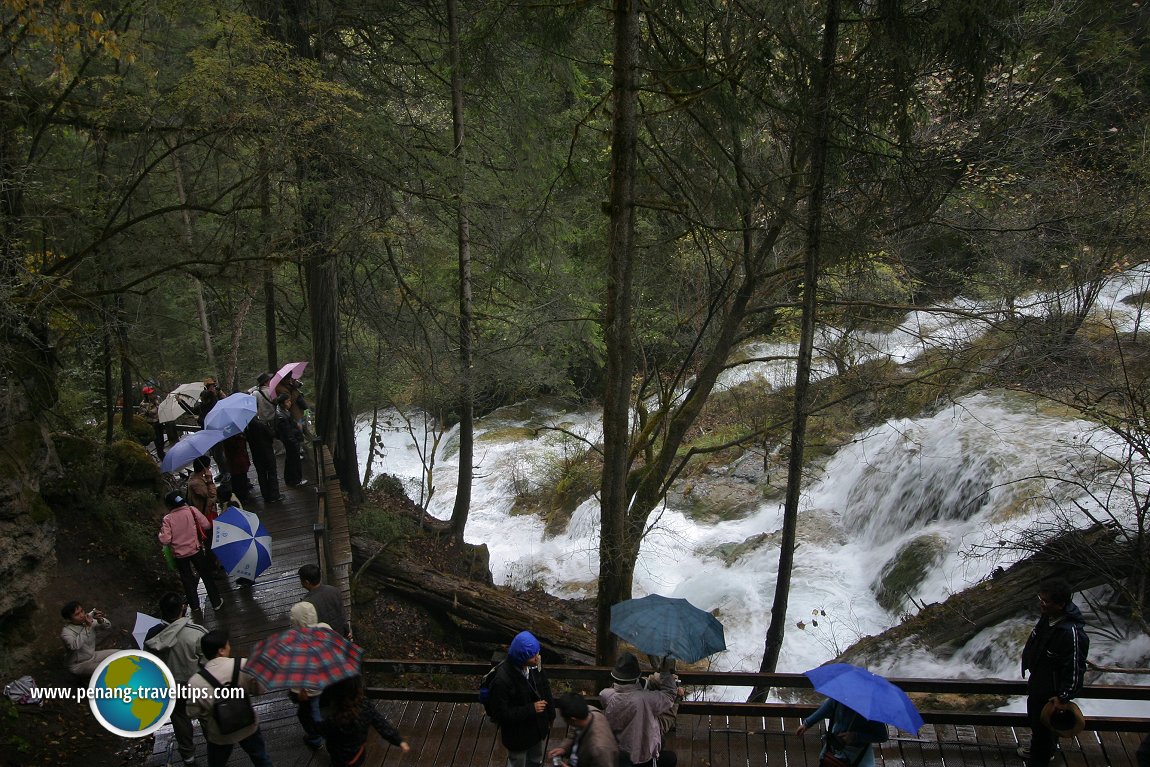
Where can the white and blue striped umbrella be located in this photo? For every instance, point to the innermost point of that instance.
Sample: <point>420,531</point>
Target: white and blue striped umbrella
<point>241,543</point>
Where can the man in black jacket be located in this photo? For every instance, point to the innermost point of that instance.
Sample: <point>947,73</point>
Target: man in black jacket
<point>1055,655</point>
<point>520,702</point>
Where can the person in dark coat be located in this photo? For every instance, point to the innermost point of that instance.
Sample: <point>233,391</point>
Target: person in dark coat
<point>260,435</point>
<point>1055,656</point>
<point>520,702</point>
<point>347,719</point>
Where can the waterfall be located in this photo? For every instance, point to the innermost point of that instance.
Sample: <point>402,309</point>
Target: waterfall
<point>893,520</point>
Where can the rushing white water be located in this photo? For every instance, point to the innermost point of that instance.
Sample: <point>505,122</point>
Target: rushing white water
<point>953,483</point>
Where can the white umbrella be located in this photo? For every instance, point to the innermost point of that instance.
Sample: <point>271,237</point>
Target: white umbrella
<point>189,394</point>
<point>144,624</point>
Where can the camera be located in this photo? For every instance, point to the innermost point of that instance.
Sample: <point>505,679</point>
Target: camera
<point>556,761</point>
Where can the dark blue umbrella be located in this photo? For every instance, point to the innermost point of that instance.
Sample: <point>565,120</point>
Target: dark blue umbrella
<point>870,695</point>
<point>667,627</point>
<point>190,448</point>
<point>232,414</point>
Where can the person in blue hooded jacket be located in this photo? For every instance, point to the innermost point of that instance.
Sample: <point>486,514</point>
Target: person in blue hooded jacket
<point>1055,656</point>
<point>849,736</point>
<point>520,702</point>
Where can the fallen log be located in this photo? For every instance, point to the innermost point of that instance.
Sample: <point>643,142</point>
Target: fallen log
<point>944,627</point>
<point>560,626</point>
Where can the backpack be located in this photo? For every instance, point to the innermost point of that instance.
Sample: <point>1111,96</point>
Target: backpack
<point>232,714</point>
<point>485,688</point>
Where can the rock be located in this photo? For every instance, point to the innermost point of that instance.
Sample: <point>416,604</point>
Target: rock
<point>907,568</point>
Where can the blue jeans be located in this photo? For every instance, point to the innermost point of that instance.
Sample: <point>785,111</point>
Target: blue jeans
<point>253,744</point>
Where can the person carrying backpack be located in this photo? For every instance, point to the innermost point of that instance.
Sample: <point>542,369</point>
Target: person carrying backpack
<point>225,719</point>
<point>177,643</point>
<point>519,700</point>
<point>849,738</point>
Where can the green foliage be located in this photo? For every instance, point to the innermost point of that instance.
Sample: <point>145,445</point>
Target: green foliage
<point>132,516</point>
<point>386,525</point>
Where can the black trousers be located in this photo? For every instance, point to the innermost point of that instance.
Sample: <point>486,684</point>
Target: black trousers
<point>264,457</point>
<point>1043,741</point>
<point>192,569</point>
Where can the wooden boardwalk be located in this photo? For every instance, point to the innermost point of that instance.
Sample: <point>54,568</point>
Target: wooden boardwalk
<point>252,613</point>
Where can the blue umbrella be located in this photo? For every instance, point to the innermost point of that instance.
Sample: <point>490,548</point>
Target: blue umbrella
<point>870,695</point>
<point>241,543</point>
<point>667,627</point>
<point>190,448</point>
<point>232,414</point>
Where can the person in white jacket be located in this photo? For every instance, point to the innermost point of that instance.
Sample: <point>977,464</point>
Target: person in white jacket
<point>79,637</point>
<point>218,650</point>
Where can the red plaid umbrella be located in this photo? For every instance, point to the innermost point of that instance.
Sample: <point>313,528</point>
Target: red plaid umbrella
<point>306,658</point>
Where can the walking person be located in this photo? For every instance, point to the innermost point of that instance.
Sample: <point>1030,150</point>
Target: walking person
<point>177,643</point>
<point>850,736</point>
<point>220,669</point>
<point>260,436</point>
<point>348,717</point>
<point>184,529</point>
<point>1055,656</point>
<point>327,599</point>
<point>149,410</point>
<point>520,702</point>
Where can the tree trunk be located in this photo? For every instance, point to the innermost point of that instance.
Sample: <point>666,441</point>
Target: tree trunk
<point>269,281</point>
<point>821,134</point>
<point>189,244</point>
<point>943,628</point>
<point>616,563</point>
<point>462,505</point>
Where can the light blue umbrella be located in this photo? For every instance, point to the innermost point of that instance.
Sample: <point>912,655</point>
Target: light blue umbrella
<point>667,627</point>
<point>232,414</point>
<point>190,448</point>
<point>870,695</point>
<point>241,543</point>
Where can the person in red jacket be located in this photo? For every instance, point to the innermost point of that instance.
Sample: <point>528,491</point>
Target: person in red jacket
<point>183,528</point>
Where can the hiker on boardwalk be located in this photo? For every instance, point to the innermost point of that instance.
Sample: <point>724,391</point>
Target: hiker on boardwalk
<point>1055,656</point>
<point>202,490</point>
<point>260,435</point>
<point>520,702</point>
<point>149,410</point>
<point>184,529</point>
<point>303,615</point>
<point>177,643</point>
<point>221,668</point>
<point>327,599</point>
<point>634,714</point>
<point>348,717</point>
<point>592,744</point>
<point>79,638</point>
<point>850,734</point>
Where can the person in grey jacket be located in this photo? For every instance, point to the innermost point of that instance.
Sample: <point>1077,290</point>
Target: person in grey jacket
<point>177,643</point>
<point>634,713</point>
<point>79,638</point>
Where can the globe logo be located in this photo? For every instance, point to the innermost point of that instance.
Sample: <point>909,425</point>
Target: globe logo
<point>131,693</point>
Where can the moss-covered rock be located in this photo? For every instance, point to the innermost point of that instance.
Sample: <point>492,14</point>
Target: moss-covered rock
<point>906,569</point>
<point>128,463</point>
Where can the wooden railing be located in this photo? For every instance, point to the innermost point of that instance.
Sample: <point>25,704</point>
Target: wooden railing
<point>599,677</point>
